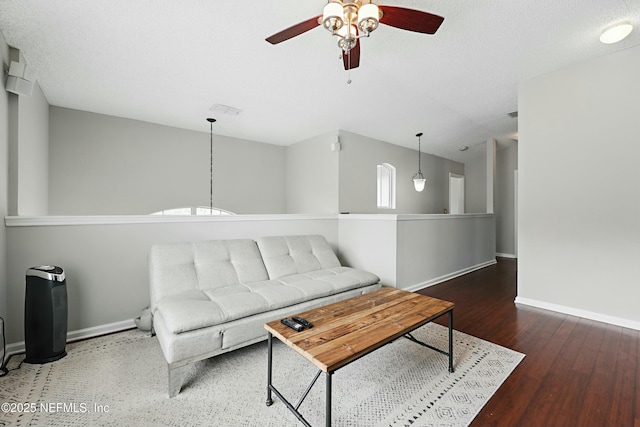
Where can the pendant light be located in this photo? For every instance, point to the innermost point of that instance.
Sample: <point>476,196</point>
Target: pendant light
<point>418,178</point>
<point>211,122</point>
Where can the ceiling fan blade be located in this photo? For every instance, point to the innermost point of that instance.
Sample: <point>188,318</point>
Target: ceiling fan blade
<point>352,59</point>
<point>294,30</point>
<point>410,19</point>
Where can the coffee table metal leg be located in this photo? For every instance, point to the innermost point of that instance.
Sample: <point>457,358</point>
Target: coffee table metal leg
<point>450,340</point>
<point>328,402</point>
<point>269,365</point>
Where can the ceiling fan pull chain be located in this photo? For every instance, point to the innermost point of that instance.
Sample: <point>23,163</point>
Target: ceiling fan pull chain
<point>349,70</point>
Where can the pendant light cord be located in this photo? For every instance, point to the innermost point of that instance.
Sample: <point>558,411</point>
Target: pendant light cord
<point>419,155</point>
<point>211,121</point>
<point>211,172</point>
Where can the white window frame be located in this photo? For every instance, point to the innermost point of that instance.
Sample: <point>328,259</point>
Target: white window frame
<point>386,186</point>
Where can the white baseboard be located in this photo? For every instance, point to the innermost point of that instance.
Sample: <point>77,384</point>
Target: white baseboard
<point>612,320</point>
<point>449,276</point>
<point>80,334</point>
<point>501,255</point>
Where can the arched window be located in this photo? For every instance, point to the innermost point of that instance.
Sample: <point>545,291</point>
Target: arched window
<point>386,186</point>
<point>194,210</point>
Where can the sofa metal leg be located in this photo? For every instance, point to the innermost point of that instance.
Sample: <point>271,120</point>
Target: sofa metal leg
<point>176,378</point>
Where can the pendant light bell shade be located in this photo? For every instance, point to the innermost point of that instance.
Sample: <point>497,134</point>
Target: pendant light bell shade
<point>418,179</point>
<point>418,182</point>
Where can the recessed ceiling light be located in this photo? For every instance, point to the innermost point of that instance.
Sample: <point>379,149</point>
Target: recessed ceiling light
<point>616,33</point>
<point>463,148</point>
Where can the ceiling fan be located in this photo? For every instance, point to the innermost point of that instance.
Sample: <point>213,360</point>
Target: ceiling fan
<point>350,20</point>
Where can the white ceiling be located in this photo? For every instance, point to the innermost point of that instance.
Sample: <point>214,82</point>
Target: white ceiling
<point>168,62</point>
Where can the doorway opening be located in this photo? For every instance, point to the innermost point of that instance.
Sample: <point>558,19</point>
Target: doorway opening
<point>456,193</point>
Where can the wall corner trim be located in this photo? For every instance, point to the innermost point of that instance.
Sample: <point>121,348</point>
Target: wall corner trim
<point>598,317</point>
<point>503,255</point>
<point>453,275</point>
<point>80,334</point>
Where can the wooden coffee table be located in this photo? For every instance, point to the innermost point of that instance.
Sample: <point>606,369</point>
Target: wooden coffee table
<point>345,331</point>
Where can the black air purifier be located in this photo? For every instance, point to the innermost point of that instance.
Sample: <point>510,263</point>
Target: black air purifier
<point>45,314</point>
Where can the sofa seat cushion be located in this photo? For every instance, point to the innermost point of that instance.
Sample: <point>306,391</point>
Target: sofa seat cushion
<point>320,283</point>
<point>189,310</point>
<point>195,309</point>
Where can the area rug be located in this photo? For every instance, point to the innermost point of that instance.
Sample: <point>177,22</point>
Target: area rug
<point>121,380</point>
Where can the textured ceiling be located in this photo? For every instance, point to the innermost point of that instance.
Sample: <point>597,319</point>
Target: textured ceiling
<point>168,62</point>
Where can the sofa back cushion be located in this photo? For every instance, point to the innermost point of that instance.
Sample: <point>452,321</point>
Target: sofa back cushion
<point>175,268</point>
<point>287,255</point>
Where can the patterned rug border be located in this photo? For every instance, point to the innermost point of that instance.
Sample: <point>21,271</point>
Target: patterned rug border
<point>401,384</point>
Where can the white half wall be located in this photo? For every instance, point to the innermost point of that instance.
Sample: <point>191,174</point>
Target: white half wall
<point>106,267</point>
<point>370,242</point>
<point>105,258</point>
<point>414,251</point>
<point>579,188</point>
<point>435,248</point>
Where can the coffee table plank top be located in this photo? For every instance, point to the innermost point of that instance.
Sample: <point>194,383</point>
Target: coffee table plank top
<point>347,330</point>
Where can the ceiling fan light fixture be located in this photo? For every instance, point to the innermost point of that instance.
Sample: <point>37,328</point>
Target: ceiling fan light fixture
<point>368,17</point>
<point>333,16</point>
<point>350,20</point>
<point>616,33</point>
<point>347,37</point>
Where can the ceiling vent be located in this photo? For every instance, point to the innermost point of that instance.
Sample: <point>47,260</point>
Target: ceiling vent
<point>513,115</point>
<point>224,110</point>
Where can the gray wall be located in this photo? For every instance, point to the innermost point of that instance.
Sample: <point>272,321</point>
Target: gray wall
<point>103,165</point>
<point>504,200</point>
<point>438,247</point>
<point>358,174</point>
<point>312,176</point>
<point>506,162</point>
<point>32,154</point>
<point>28,150</point>
<point>475,183</point>
<point>4,177</point>
<point>579,187</point>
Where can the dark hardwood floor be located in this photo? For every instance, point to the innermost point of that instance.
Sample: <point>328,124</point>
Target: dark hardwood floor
<point>576,372</point>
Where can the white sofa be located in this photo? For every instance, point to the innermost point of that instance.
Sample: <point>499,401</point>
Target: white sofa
<point>211,297</point>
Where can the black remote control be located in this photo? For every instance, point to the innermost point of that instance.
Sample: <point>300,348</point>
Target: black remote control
<point>303,322</point>
<point>293,325</point>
